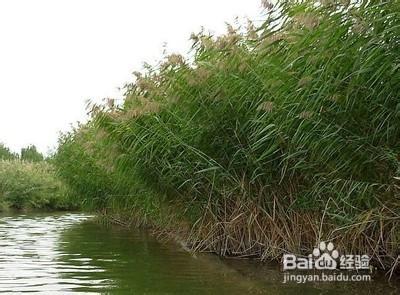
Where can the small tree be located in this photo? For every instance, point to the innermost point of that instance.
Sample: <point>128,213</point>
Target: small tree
<point>31,154</point>
<point>6,154</point>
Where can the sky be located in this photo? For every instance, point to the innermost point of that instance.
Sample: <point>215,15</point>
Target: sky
<point>57,54</point>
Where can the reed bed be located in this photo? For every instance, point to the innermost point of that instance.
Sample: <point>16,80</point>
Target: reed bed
<point>262,141</point>
<point>32,185</point>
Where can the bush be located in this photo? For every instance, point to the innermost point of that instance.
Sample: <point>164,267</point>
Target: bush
<point>27,185</point>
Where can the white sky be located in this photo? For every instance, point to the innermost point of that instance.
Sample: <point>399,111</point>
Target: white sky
<point>56,54</point>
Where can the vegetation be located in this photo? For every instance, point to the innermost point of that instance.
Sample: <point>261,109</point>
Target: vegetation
<point>265,140</point>
<point>31,154</point>
<point>6,154</point>
<point>30,183</point>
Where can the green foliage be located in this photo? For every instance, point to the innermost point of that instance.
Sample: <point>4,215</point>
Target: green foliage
<point>31,154</point>
<point>6,154</point>
<point>87,163</point>
<point>304,109</point>
<point>27,185</point>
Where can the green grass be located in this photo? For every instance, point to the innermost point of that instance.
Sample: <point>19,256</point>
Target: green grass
<point>27,185</point>
<point>265,140</point>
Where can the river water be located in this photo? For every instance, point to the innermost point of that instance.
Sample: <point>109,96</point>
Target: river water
<point>69,253</point>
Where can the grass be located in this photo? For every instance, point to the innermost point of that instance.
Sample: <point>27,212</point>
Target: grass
<point>263,141</point>
<point>28,185</point>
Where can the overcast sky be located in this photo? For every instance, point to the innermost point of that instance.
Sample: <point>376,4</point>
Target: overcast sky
<point>56,54</point>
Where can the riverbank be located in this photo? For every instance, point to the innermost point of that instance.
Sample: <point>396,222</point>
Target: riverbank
<point>261,142</point>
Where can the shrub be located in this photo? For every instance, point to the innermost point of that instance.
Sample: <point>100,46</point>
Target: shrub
<point>26,185</point>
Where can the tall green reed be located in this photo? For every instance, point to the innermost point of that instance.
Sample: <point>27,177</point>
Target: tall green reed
<point>300,113</point>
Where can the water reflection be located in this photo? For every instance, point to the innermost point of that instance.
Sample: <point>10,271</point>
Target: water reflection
<point>29,252</point>
<point>136,262</point>
<point>61,254</point>
<point>67,253</point>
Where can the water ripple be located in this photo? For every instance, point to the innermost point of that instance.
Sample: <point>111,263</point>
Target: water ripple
<point>31,259</point>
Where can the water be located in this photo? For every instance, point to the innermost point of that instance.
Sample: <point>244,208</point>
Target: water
<point>70,254</point>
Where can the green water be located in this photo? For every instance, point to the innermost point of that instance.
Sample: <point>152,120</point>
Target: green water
<point>71,254</point>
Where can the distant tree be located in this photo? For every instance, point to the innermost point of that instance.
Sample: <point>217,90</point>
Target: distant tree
<point>6,154</point>
<point>31,154</point>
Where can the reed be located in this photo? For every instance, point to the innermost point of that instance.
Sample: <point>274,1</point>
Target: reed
<point>32,185</point>
<point>264,140</point>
